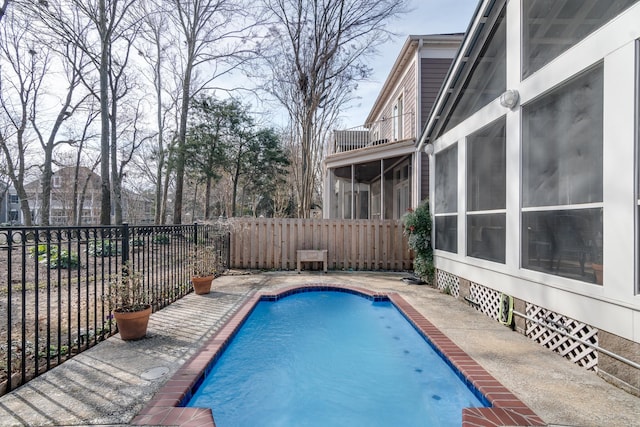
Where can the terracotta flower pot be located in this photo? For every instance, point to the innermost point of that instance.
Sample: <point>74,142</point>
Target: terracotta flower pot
<point>202,285</point>
<point>132,325</point>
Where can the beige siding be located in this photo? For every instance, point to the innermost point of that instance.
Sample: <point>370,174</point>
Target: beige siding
<point>408,90</point>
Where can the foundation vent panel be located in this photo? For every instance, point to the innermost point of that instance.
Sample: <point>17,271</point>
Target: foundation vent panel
<point>448,282</point>
<point>573,350</point>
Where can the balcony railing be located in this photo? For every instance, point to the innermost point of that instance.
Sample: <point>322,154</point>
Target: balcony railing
<point>385,131</point>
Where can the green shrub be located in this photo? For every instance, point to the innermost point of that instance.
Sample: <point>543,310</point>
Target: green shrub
<point>136,242</point>
<point>417,226</point>
<point>64,259</point>
<point>162,239</point>
<point>56,259</point>
<point>104,247</point>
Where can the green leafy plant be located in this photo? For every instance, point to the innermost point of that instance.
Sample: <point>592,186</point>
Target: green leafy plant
<point>104,247</point>
<point>137,242</point>
<point>162,239</point>
<point>56,258</point>
<point>417,226</point>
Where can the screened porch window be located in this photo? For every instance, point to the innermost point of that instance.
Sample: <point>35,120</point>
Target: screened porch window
<point>486,192</point>
<point>551,27</point>
<point>562,178</point>
<point>446,200</point>
<point>379,189</point>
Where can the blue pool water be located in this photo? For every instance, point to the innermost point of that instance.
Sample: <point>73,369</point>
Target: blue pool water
<point>331,359</point>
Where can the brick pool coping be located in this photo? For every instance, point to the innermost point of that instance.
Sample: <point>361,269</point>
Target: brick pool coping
<point>163,410</point>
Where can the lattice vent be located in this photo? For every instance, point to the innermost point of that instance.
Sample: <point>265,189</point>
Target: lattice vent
<point>573,350</point>
<point>448,281</point>
<point>487,299</point>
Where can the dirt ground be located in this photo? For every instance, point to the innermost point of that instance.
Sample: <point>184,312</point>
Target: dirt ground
<point>62,309</point>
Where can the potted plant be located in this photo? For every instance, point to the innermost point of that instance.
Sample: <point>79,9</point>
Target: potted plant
<point>202,263</point>
<point>130,303</point>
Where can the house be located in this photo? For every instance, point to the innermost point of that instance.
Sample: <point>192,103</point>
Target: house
<point>535,176</point>
<point>369,171</point>
<point>9,205</point>
<point>85,186</point>
<point>67,185</point>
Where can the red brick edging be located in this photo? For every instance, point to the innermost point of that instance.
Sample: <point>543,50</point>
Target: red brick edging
<point>506,409</point>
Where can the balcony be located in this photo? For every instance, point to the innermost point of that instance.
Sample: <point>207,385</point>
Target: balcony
<point>386,131</point>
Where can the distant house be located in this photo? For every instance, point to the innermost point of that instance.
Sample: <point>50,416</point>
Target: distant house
<point>9,206</point>
<point>85,187</point>
<point>535,176</point>
<point>374,171</point>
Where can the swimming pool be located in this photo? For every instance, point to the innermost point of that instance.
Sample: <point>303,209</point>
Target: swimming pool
<point>332,358</point>
<point>165,407</point>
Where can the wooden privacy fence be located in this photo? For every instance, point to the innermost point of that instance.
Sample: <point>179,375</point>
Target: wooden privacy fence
<point>271,243</point>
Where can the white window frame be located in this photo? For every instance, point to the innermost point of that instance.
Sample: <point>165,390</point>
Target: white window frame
<point>615,43</point>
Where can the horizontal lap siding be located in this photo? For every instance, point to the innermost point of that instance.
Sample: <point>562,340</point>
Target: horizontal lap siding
<point>271,243</point>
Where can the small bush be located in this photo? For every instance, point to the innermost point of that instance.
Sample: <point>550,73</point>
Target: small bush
<point>64,259</point>
<point>417,226</point>
<point>162,239</point>
<point>104,247</point>
<point>56,259</point>
<point>137,242</point>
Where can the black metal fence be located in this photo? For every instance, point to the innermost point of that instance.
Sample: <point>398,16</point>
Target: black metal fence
<point>52,296</point>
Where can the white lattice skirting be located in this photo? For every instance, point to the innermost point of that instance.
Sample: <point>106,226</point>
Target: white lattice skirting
<point>448,281</point>
<point>573,350</point>
<point>487,299</point>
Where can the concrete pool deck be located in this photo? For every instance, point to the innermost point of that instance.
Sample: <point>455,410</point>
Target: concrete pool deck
<point>112,382</point>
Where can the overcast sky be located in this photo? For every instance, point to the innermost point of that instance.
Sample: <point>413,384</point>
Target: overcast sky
<point>427,17</point>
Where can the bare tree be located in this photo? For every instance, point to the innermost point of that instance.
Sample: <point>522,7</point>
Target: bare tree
<point>120,85</point>
<point>74,65</point>
<point>158,38</point>
<point>3,8</point>
<point>215,33</point>
<point>94,27</point>
<point>80,188</point>
<point>18,88</point>
<point>319,47</point>
<point>136,136</point>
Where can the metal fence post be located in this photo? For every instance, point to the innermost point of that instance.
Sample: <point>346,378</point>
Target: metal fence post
<point>195,234</point>
<point>125,243</point>
<point>9,308</point>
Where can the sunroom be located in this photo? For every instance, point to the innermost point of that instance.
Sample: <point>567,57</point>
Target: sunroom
<point>534,185</point>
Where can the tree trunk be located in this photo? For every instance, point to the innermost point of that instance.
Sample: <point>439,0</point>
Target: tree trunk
<point>207,199</point>
<point>105,203</point>
<point>115,176</point>
<point>182,140</point>
<point>45,182</point>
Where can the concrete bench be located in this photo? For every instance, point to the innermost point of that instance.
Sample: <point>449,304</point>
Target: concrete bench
<point>308,255</point>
